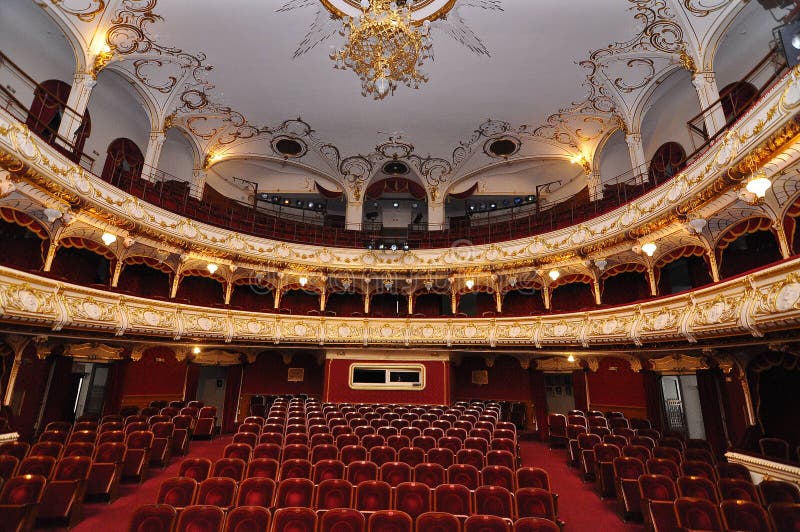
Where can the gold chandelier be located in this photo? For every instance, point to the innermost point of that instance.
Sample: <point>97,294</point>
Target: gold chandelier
<point>384,46</point>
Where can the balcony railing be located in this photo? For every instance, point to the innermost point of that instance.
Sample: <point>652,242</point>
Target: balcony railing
<point>309,227</point>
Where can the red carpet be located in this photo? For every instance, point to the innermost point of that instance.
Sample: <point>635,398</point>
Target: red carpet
<point>579,505</point>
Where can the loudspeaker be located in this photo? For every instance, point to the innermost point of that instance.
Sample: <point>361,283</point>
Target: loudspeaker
<point>772,4</point>
<point>789,36</point>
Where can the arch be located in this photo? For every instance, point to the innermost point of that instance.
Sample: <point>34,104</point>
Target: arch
<point>572,292</point>
<point>46,112</point>
<point>395,185</point>
<point>253,294</point>
<point>200,287</point>
<point>668,160</point>
<point>672,102</point>
<point>83,261</point>
<point>26,235</point>
<point>124,162</point>
<point>757,245</point>
<point>681,266</point>
<point>523,302</point>
<point>650,96</point>
<point>145,276</point>
<point>624,283</point>
<point>180,154</point>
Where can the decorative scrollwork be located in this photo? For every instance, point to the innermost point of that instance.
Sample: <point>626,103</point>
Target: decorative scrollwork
<point>650,72</point>
<point>703,8</point>
<point>86,11</point>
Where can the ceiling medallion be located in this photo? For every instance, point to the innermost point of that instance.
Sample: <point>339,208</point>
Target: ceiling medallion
<point>384,47</point>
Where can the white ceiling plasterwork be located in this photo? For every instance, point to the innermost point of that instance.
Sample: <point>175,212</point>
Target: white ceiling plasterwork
<point>233,97</point>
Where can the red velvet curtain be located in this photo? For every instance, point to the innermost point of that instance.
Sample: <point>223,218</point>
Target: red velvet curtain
<point>232,389</point>
<point>735,406</point>
<point>61,395</point>
<point>539,398</point>
<point>49,100</point>
<point>579,389</point>
<point>708,381</point>
<point>653,396</point>
<point>124,161</point>
<point>115,386</point>
<point>192,382</point>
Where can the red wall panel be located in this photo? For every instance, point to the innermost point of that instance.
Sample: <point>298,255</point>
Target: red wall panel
<point>621,387</point>
<point>267,376</point>
<point>507,380</point>
<point>436,391</point>
<point>157,374</point>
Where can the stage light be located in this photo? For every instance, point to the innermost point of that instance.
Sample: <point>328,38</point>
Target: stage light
<point>196,350</point>
<point>571,358</point>
<point>649,248</point>
<point>108,238</point>
<point>554,274</point>
<point>303,281</point>
<point>470,283</point>
<point>212,268</point>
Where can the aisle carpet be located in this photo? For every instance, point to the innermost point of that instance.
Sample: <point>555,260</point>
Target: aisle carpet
<point>579,505</point>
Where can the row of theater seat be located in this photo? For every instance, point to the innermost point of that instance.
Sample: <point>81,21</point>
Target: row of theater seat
<point>674,483</point>
<point>164,518</point>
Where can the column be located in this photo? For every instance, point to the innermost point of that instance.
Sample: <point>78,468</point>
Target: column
<point>199,176</point>
<point>705,83</point>
<point>596,291</point>
<point>228,292</point>
<point>367,298</point>
<point>410,303</point>
<point>82,85</point>
<point>546,292</point>
<point>436,220</point>
<point>117,272</point>
<point>594,184</point>
<point>783,242</point>
<point>636,151</point>
<point>153,154</point>
<point>323,299</point>
<point>353,215</point>
<point>498,301</point>
<point>651,277</point>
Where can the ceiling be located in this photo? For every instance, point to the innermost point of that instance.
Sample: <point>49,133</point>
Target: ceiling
<point>553,76</point>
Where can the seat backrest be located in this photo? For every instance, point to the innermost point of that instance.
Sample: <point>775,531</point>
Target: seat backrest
<point>626,467</point>
<point>373,495</point>
<point>464,474</point>
<point>735,489</point>
<point>245,518</point>
<point>178,492</point>
<point>333,493</point>
<point>774,491</point>
<point>153,518</point>
<point>200,517</point>
<point>22,490</point>
<point>657,487</point>
<point>494,500</point>
<point>294,492</point>
<point>535,524</point>
<point>294,520</point>
<point>389,521</point>
<point>256,491</point>
<point>139,439</point>
<point>733,471</point>
<point>697,514</point>
<point>438,522</point>
<point>217,491</point>
<point>453,499</point>
<point>229,467</point>
<point>698,488</point>
<point>74,468</point>
<point>342,519</point>
<point>37,465</point>
<point>486,523</point>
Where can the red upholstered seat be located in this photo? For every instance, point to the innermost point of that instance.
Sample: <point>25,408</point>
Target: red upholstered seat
<point>196,468</point>
<point>668,453</point>
<point>382,454</point>
<point>17,449</point>
<point>161,451</point>
<point>247,519</point>
<point>324,452</point>
<point>373,495</point>
<point>248,438</point>
<point>453,499</point>
<point>106,470</point>
<point>662,466</point>
<point>233,468</point>
<point>295,492</point>
<point>8,466</point>
<point>736,489</point>
<point>237,450</point>
<point>498,476</point>
<point>88,436</point>
<point>627,471</point>
<point>424,442</point>
<point>217,491</point>
<point>178,492</point>
<point>534,502</point>
<point>294,520</point>
<point>486,523</point>
<point>361,470</point>
<point>535,524</point>
<point>344,440</point>
<point>698,488</point>
<point>776,448</point>
<point>256,491</point>
<point>271,437</point>
<point>153,518</point>
<point>342,519</point>
<point>440,455</point>
<point>398,442</point>
<point>395,472</point>
<point>557,429</point>
<point>658,494</point>
<point>779,491</point>
<point>479,444</point>
<point>333,493</point>
<point>464,474</point>
<point>112,436</point>
<point>745,515</point>
<point>472,457</point>
<point>372,440</point>
<point>389,521</point>
<point>699,469</point>
<point>438,522</point>
<point>297,468</point>
<point>37,465</point>
<point>450,442</point>
<point>135,426</point>
<point>55,436</point>
<point>786,516</point>
<point>267,450</point>
<point>63,496</point>
<point>19,501</point>
<point>328,469</point>
<point>430,474</point>
<point>137,455</point>
<point>413,498</point>
<point>322,438</point>
<point>697,514</point>
<point>733,471</point>
<point>411,455</point>
<point>353,453</point>
<point>644,441</point>
<point>200,518</point>
<point>494,500</point>
<point>47,448</point>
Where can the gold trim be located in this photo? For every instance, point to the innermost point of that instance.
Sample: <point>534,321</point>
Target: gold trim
<point>390,385</point>
<point>441,12</point>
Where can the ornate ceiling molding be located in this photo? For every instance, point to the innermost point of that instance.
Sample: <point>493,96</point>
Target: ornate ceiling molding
<point>678,364</point>
<point>94,352</point>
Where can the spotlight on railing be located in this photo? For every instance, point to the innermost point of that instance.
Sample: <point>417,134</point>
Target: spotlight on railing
<point>387,245</point>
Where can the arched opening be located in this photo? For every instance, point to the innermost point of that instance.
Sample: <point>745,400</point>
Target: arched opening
<point>345,304</point>
<point>124,162</point>
<point>625,283</point>
<point>682,269</point>
<point>23,234</point>
<point>431,304</point>
<point>83,261</point>
<point>573,293</point>
<point>736,98</point>
<point>476,304</point>
<point>523,302</point>
<point>46,112</point>
<point>667,161</point>
<point>250,294</point>
<point>388,305</point>
<point>395,202</point>
<point>299,301</point>
<point>199,288</point>
<point>774,380</point>
<point>747,245</point>
<point>146,277</point>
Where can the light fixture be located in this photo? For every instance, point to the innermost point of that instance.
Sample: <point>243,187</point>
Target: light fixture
<point>384,46</point>
<point>698,224</point>
<point>303,281</point>
<point>108,238</point>
<point>212,268</point>
<point>649,248</point>
<point>512,281</point>
<point>554,274</point>
<point>601,264</point>
<point>758,184</point>
<point>581,160</point>
<point>470,283</point>
<point>571,358</point>
<point>196,350</point>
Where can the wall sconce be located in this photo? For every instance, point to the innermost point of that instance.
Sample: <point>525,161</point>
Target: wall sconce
<point>108,238</point>
<point>470,283</point>
<point>649,248</point>
<point>212,268</point>
<point>554,274</point>
<point>303,281</point>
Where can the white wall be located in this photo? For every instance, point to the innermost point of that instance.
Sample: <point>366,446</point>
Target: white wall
<point>116,112</point>
<point>615,159</point>
<point>671,105</point>
<point>30,38</point>
<point>176,156</point>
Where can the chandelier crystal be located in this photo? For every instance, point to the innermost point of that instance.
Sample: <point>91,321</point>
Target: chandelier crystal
<point>384,47</point>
